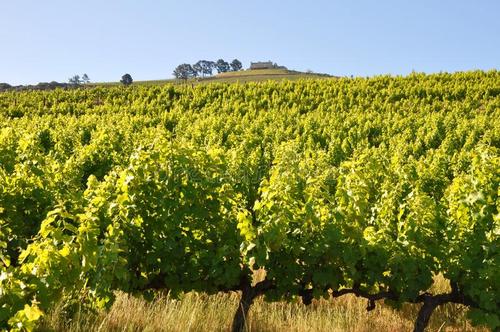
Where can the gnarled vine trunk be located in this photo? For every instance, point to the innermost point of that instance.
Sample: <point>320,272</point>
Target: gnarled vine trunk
<point>240,317</point>
<point>248,294</point>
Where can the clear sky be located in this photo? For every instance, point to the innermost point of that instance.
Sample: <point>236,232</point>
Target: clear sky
<point>55,39</point>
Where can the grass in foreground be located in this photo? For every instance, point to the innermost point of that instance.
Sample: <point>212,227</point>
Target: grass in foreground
<point>200,312</point>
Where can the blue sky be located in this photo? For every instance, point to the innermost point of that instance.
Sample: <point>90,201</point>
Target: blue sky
<point>55,39</point>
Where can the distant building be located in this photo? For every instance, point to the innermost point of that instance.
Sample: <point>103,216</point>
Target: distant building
<point>265,65</point>
<point>261,65</point>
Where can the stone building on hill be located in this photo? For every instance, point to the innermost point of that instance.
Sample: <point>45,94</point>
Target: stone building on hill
<point>265,65</point>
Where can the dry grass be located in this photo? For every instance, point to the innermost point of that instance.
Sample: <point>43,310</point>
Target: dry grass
<point>242,76</point>
<point>200,312</point>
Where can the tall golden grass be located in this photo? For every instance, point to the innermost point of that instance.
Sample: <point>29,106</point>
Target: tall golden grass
<point>201,312</point>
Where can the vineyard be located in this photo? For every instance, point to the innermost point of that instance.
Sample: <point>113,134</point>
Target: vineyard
<point>365,186</point>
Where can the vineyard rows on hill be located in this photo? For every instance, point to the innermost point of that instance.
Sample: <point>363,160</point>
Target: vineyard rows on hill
<point>367,186</point>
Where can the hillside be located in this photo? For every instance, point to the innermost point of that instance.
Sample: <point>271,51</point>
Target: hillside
<point>384,188</point>
<point>264,75</point>
<point>242,76</point>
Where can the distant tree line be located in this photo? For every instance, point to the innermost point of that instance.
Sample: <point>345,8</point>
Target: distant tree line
<point>205,68</point>
<point>184,71</point>
<point>40,86</point>
<point>73,82</point>
<point>77,80</point>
